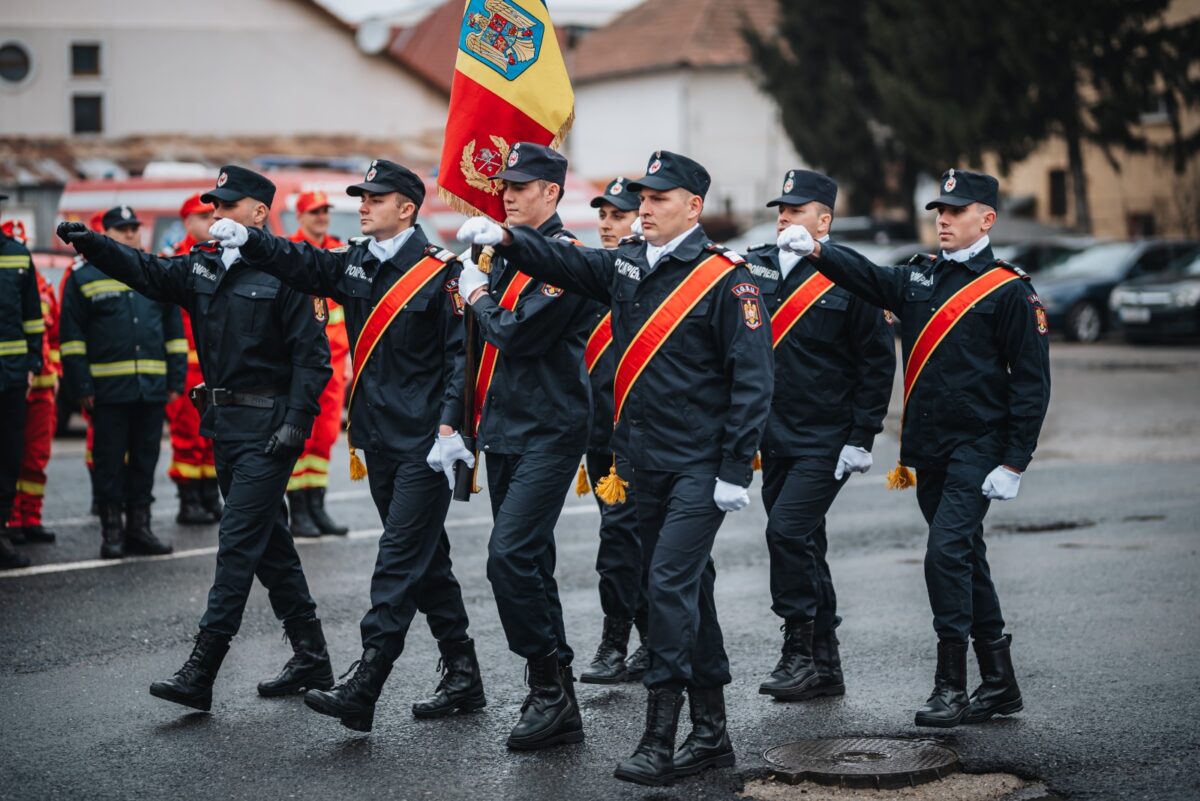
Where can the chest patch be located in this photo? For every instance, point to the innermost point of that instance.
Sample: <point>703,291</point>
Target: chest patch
<point>920,279</point>
<point>199,269</point>
<point>451,288</point>
<point>760,271</point>
<point>629,269</point>
<point>751,314</point>
<point>356,272</point>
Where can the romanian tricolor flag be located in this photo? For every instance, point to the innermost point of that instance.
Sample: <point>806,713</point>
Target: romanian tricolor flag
<point>510,85</point>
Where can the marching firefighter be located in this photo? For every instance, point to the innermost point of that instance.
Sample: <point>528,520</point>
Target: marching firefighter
<point>265,360</point>
<point>691,395</point>
<point>310,477</point>
<point>124,356</point>
<point>976,390</point>
<point>835,358</point>
<point>192,467</point>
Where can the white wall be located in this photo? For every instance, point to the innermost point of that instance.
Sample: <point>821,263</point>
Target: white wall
<point>221,67</point>
<point>718,117</point>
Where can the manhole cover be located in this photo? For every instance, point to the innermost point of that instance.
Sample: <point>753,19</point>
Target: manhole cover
<point>878,762</point>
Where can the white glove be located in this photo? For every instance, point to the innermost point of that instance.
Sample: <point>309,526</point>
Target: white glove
<point>229,233</point>
<point>453,449</point>
<point>852,459</point>
<point>481,231</point>
<point>1001,484</point>
<point>635,227</point>
<point>730,497</point>
<point>471,279</point>
<point>796,239</point>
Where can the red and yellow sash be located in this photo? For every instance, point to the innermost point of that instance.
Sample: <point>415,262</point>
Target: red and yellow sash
<point>936,330</point>
<point>487,361</point>
<point>946,317</point>
<point>598,342</point>
<point>395,299</point>
<point>665,319</point>
<point>797,305</point>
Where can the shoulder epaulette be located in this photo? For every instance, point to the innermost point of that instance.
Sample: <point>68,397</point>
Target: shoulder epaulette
<point>79,261</point>
<point>358,240</point>
<point>1024,276</point>
<point>732,255</point>
<point>919,259</point>
<point>632,239</point>
<point>566,236</point>
<point>440,253</point>
<point>340,249</point>
<point>206,247</point>
<point>761,246</point>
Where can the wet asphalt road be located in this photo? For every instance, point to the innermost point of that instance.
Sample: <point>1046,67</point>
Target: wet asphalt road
<point>1097,563</point>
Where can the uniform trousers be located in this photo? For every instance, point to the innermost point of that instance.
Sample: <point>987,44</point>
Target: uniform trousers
<point>12,439</point>
<point>797,493</point>
<point>254,538</point>
<point>957,575</point>
<point>527,493</point>
<point>678,521</point>
<point>413,571</point>
<point>128,437</point>
<point>619,557</point>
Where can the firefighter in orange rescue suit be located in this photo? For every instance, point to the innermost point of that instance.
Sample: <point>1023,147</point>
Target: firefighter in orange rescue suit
<point>25,523</point>
<point>310,477</point>
<point>192,467</point>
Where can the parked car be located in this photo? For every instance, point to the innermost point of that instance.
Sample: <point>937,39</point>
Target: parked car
<point>1036,255</point>
<point>1161,307</point>
<point>1076,291</point>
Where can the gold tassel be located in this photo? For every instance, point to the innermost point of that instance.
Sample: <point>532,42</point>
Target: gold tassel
<point>756,462</point>
<point>358,470</point>
<point>485,259</point>
<point>611,488</point>
<point>901,478</point>
<point>582,486</point>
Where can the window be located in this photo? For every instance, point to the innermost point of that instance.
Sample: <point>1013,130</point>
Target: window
<point>86,116</point>
<point>14,62</point>
<point>85,60</point>
<point>1058,193</point>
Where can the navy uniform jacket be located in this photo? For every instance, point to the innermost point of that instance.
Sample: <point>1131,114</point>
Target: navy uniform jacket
<point>252,334</point>
<point>414,379</point>
<point>702,402</point>
<point>601,379</point>
<point>21,323</point>
<point>833,371</point>
<point>539,399</point>
<point>987,386</point>
<point>117,344</point>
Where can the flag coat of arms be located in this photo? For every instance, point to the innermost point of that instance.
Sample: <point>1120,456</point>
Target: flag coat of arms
<point>510,85</point>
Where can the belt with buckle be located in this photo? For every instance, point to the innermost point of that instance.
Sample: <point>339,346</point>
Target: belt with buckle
<point>258,397</point>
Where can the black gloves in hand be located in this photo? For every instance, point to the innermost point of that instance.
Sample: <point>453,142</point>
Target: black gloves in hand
<point>72,233</point>
<point>288,440</point>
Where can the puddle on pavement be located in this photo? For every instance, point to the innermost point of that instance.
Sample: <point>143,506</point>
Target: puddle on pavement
<point>1042,527</point>
<point>959,786</point>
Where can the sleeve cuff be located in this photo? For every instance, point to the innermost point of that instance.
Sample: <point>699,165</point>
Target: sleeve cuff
<point>1017,460</point>
<point>485,303</point>
<point>452,416</point>
<point>861,439</point>
<point>299,419</point>
<point>736,472</point>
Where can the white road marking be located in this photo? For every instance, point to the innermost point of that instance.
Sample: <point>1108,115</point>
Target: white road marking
<point>360,534</point>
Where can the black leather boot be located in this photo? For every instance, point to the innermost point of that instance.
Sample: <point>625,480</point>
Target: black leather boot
<point>548,716</point>
<point>998,694</point>
<point>608,666</point>
<point>309,666</point>
<point>10,559</point>
<point>210,498</point>
<point>192,684</point>
<point>829,665</point>
<point>191,509</point>
<point>652,762</point>
<point>353,703</point>
<point>112,532</point>
<point>139,539</point>
<point>948,704</point>
<point>795,677</point>
<point>639,661</point>
<point>708,744</point>
<point>303,524</point>
<point>316,510</point>
<point>38,534</point>
<point>461,687</point>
